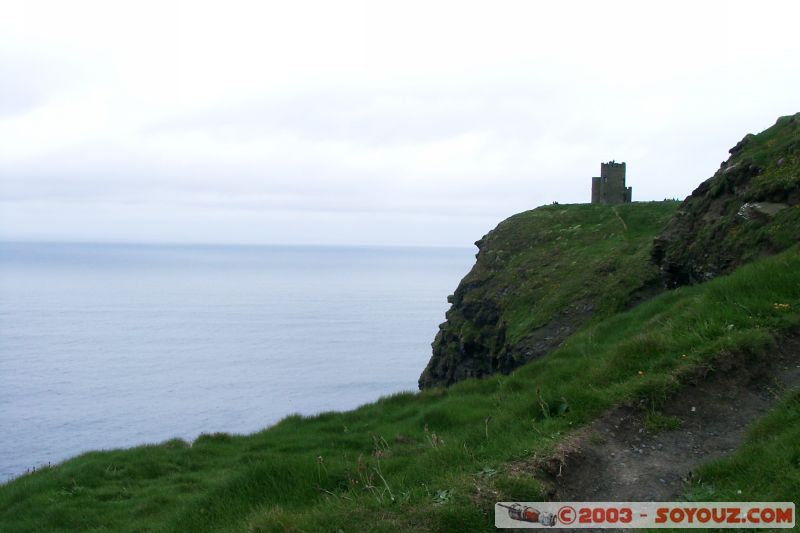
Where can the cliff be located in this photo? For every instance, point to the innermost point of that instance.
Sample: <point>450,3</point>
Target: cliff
<point>539,276</point>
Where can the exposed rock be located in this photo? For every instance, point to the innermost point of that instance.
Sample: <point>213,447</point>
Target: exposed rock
<point>751,210</point>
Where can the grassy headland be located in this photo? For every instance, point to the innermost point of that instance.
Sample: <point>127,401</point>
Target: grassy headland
<point>540,276</point>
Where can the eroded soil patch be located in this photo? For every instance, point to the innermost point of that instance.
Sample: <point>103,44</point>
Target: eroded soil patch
<point>620,457</point>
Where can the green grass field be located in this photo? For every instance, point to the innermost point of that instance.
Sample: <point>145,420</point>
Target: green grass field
<point>439,459</point>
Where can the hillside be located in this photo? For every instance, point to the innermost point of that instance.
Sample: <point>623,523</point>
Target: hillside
<point>535,282</point>
<point>666,366</point>
<point>744,211</point>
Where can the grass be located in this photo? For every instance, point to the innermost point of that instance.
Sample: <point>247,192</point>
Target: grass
<point>655,422</point>
<point>555,253</point>
<point>777,151</point>
<point>573,246</point>
<point>435,460</point>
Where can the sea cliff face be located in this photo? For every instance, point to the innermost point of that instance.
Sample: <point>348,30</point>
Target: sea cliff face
<point>746,210</point>
<point>535,282</point>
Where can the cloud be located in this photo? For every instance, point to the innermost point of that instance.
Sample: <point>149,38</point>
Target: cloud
<point>377,115</point>
<point>29,78</point>
<point>266,115</point>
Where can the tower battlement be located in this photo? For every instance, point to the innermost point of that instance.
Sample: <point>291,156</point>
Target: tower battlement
<point>609,188</point>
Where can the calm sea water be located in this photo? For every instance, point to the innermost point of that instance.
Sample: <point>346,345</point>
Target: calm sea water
<point>105,346</point>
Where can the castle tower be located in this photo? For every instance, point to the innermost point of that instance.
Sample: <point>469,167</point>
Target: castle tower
<point>609,188</point>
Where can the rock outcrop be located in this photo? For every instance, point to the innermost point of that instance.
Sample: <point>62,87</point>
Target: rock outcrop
<point>747,209</point>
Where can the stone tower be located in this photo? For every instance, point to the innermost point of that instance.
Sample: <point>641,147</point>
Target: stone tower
<point>609,188</point>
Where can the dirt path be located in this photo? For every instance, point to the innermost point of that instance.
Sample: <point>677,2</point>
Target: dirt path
<point>616,213</point>
<point>618,459</point>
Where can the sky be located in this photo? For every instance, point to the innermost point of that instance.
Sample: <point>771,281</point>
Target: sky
<point>389,123</point>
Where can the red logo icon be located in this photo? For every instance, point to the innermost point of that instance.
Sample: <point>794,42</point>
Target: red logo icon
<point>566,515</point>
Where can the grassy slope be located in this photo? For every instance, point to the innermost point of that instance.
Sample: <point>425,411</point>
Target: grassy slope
<point>709,235</point>
<point>776,150</point>
<point>540,268</point>
<point>557,253</point>
<point>436,460</point>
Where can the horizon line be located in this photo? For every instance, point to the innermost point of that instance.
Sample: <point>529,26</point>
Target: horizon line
<point>223,245</point>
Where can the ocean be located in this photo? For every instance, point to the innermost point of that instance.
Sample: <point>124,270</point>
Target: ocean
<point>110,345</point>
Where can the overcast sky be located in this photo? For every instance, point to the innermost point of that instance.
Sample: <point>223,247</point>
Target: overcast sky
<point>367,122</point>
